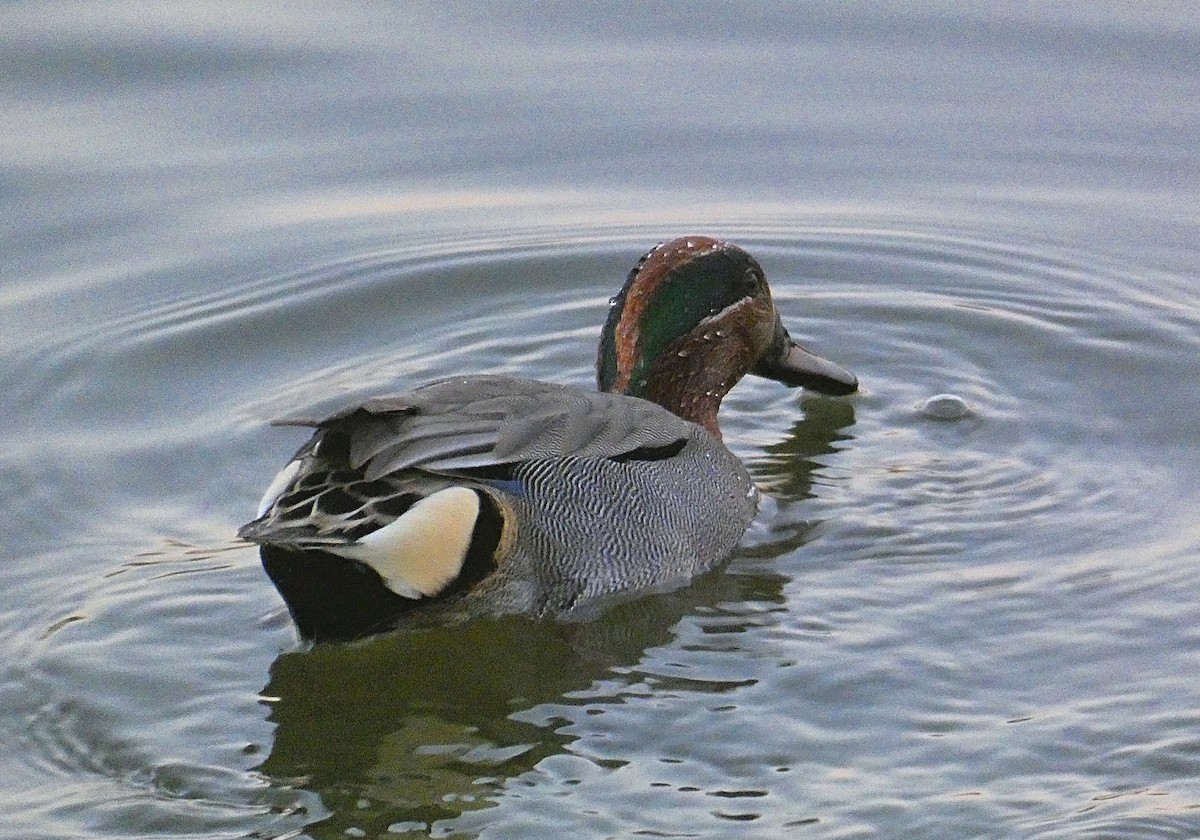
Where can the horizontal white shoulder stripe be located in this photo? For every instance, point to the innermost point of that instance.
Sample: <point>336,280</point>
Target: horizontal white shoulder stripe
<point>278,484</point>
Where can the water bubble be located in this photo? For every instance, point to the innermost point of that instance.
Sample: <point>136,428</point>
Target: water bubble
<point>945,407</point>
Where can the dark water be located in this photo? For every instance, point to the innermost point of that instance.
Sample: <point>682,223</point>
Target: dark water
<point>974,627</point>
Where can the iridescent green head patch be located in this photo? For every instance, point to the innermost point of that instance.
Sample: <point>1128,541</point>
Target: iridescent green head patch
<point>668,294</point>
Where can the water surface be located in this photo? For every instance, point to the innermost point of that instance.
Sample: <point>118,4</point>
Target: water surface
<point>972,627</point>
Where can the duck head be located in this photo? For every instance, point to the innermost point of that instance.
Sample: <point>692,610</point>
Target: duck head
<point>694,317</point>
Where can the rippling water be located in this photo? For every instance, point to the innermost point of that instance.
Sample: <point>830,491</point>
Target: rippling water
<point>983,626</point>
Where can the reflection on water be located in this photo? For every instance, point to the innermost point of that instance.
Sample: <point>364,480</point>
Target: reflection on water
<point>427,725</point>
<point>785,468</point>
<point>420,725</point>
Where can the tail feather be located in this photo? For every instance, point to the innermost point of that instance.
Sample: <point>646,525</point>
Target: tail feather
<point>265,531</point>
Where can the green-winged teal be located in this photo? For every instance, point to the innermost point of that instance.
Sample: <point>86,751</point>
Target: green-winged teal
<point>489,495</point>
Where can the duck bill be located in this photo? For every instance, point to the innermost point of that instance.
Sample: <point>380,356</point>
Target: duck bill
<point>789,363</point>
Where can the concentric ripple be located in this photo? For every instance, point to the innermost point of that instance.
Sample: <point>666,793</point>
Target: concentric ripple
<point>961,620</point>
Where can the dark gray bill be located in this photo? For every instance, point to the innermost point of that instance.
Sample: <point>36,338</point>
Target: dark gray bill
<point>791,364</point>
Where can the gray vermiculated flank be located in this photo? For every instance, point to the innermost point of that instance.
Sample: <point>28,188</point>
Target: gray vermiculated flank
<point>587,525</point>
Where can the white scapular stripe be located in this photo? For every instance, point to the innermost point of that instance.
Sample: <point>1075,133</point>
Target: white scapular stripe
<point>422,551</point>
<point>278,484</point>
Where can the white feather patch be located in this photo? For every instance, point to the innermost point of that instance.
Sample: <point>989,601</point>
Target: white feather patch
<point>420,553</point>
<point>278,484</point>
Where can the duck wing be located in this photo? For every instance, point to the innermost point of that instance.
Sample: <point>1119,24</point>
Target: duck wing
<point>465,424</point>
<point>368,464</point>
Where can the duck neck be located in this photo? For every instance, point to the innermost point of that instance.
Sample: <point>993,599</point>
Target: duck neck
<point>689,401</point>
<point>692,373</point>
<point>692,376</point>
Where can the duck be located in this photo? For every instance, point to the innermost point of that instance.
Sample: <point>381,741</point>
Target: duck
<point>494,495</point>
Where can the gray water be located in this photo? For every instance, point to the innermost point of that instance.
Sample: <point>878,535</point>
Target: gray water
<point>214,214</point>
